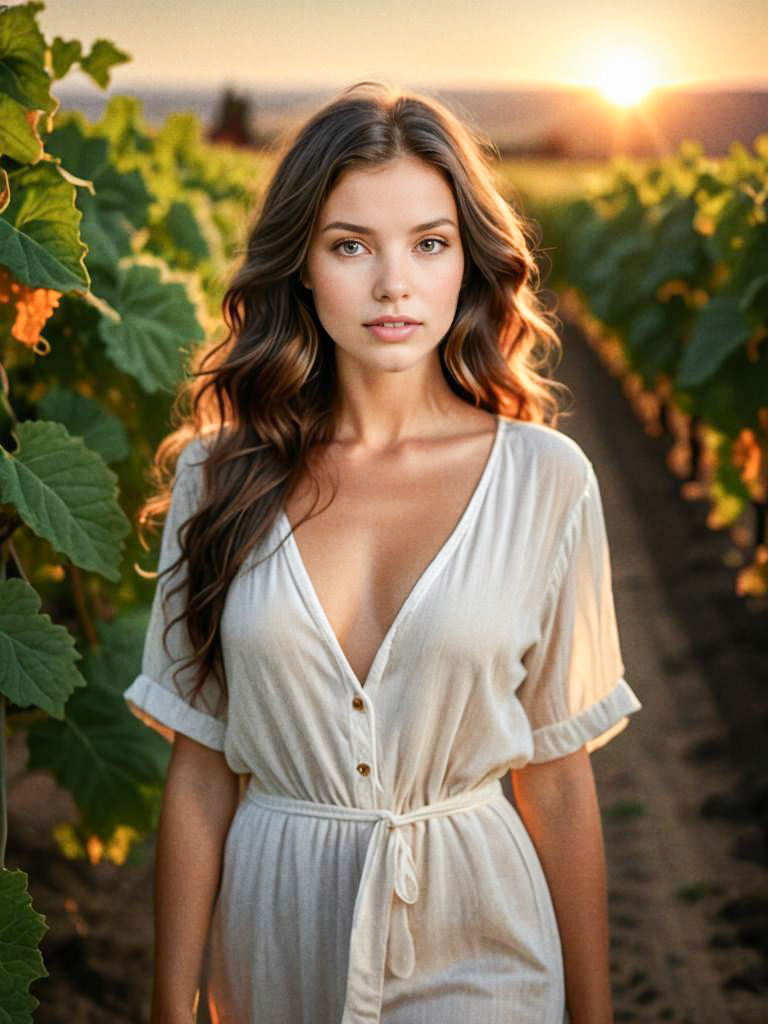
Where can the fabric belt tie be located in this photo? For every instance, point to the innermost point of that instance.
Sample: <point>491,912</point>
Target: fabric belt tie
<point>380,931</point>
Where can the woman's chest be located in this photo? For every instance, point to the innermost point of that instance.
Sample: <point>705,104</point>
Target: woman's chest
<point>364,552</point>
<point>443,678</point>
<point>475,607</point>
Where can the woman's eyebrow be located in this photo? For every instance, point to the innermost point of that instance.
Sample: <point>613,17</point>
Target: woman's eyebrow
<point>360,230</point>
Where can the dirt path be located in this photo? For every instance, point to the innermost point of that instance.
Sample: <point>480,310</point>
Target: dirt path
<point>687,889</point>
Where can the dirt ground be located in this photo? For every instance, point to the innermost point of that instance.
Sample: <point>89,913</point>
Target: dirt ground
<point>683,789</point>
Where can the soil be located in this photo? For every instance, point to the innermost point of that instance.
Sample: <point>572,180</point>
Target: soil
<point>683,789</point>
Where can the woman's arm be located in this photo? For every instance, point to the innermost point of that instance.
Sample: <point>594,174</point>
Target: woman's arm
<point>558,804</point>
<point>199,800</point>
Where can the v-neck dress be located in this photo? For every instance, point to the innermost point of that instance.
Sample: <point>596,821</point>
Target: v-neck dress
<point>374,871</point>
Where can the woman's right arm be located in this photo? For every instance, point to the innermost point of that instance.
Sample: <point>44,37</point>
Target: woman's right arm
<point>199,801</point>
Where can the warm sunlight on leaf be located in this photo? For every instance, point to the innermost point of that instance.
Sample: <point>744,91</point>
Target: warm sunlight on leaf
<point>624,77</point>
<point>32,307</point>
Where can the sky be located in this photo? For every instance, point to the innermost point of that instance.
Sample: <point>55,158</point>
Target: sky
<point>469,43</point>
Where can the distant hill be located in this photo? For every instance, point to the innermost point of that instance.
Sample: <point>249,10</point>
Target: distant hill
<point>557,121</point>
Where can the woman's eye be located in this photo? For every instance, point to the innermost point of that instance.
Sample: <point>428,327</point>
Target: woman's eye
<point>346,241</point>
<point>439,240</point>
<point>354,241</point>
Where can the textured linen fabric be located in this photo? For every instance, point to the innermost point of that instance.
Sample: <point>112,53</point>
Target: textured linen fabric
<point>374,871</point>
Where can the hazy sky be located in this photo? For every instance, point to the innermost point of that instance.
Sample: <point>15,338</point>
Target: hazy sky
<point>430,42</point>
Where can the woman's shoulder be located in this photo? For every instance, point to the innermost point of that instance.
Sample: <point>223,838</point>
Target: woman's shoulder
<point>194,452</point>
<point>189,469</point>
<point>549,453</point>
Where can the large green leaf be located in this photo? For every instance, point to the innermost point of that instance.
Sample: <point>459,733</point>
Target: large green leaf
<point>39,239</point>
<point>22,58</point>
<point>158,320</point>
<point>85,417</point>
<point>24,82</point>
<point>101,753</point>
<point>37,666</point>
<point>20,959</point>
<point>67,494</point>
<point>718,330</point>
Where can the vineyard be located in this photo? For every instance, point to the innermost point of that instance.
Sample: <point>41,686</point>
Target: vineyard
<point>115,243</point>
<point>666,267</point>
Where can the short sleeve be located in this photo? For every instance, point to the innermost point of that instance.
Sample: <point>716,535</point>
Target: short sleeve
<point>574,692</point>
<point>154,697</point>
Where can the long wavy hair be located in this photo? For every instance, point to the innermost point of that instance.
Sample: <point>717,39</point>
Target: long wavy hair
<point>267,393</point>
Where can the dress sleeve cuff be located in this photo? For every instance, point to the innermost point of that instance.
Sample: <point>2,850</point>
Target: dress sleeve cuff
<point>594,726</point>
<point>167,713</point>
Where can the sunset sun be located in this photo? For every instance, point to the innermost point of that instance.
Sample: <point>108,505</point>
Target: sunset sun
<point>624,77</point>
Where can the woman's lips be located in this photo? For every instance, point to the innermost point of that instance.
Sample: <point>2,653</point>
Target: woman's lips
<point>392,333</point>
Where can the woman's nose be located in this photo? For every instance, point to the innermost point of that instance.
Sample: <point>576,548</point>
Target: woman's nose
<point>391,278</point>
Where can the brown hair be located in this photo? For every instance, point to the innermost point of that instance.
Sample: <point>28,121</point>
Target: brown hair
<point>272,383</point>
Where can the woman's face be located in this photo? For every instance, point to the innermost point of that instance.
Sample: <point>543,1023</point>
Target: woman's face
<point>386,243</point>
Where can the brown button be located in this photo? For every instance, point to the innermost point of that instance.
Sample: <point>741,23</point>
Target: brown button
<point>363,768</point>
<point>358,703</point>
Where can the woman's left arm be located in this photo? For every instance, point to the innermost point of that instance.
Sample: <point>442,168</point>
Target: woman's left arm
<point>557,801</point>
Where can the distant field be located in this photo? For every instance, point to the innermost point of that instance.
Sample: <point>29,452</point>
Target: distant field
<point>545,179</point>
<point>531,179</point>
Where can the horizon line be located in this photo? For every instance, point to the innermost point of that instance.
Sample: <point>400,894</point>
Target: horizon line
<point>526,85</point>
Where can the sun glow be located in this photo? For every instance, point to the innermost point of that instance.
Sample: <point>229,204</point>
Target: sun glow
<point>624,77</point>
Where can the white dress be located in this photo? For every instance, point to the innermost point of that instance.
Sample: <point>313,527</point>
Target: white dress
<point>374,871</point>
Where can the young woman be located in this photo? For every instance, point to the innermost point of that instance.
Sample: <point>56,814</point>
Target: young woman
<point>395,587</point>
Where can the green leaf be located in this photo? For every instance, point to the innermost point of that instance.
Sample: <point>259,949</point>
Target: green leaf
<point>109,218</point>
<point>100,753</point>
<point>184,232</point>
<point>751,292</point>
<point>103,56</point>
<point>728,478</point>
<point>646,329</point>
<point>117,660</point>
<point>22,58</point>
<point>718,330</point>
<point>123,125</point>
<point>677,246</point>
<point>157,321</point>
<point>24,83</point>
<point>20,959</point>
<point>124,192</point>
<point>120,202</point>
<point>19,139</point>
<point>38,657</point>
<point>88,156</point>
<point>85,417</point>
<point>64,54</point>
<point>39,237</point>
<point>67,494</point>
<point>732,398</point>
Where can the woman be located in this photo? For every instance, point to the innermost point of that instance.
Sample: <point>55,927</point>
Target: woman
<point>443,617</point>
